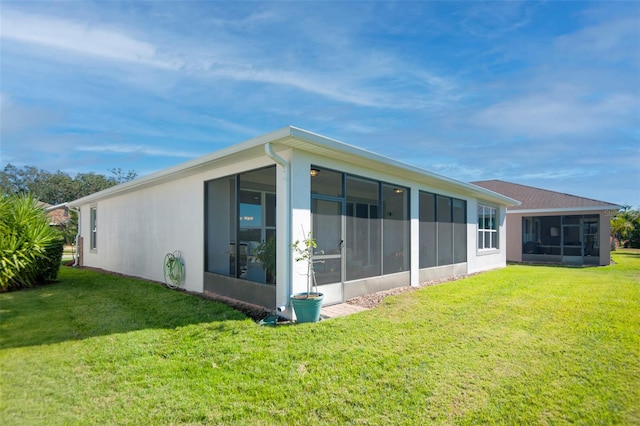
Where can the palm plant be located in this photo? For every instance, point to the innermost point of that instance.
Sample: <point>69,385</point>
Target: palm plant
<point>26,239</point>
<point>623,224</point>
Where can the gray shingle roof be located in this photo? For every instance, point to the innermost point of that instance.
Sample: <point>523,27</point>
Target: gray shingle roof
<point>541,199</point>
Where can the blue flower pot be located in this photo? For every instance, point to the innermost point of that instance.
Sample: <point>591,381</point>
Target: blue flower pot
<point>307,309</point>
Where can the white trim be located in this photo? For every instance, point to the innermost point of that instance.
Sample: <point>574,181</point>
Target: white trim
<point>566,209</point>
<point>56,207</point>
<point>283,290</point>
<point>93,228</point>
<point>487,251</point>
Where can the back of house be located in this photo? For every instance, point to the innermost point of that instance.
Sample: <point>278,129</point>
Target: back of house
<point>378,223</point>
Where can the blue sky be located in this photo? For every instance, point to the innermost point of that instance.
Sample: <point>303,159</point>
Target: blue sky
<point>540,93</point>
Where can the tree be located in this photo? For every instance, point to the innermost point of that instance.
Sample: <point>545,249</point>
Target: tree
<point>89,183</point>
<point>53,188</point>
<point>625,227</point>
<point>21,181</point>
<point>59,187</point>
<point>121,176</point>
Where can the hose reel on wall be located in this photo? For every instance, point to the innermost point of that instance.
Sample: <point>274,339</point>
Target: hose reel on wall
<point>174,270</point>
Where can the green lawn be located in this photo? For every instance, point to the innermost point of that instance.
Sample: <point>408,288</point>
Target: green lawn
<point>522,345</point>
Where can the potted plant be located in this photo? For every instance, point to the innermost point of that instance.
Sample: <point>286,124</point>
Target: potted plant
<point>266,254</point>
<point>307,305</point>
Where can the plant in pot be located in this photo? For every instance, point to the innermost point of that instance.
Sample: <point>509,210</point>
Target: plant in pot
<point>307,305</point>
<point>266,254</point>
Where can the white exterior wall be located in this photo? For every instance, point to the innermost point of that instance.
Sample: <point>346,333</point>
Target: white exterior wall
<point>137,229</point>
<point>484,260</point>
<point>300,214</point>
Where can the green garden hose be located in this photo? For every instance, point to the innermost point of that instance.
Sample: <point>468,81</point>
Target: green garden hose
<point>173,269</point>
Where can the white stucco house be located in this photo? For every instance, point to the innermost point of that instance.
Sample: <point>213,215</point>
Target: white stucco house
<point>379,223</point>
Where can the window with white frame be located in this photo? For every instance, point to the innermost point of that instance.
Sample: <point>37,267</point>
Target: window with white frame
<point>94,228</point>
<point>487,228</point>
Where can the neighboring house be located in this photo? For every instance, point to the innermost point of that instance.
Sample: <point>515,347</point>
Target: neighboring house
<point>379,223</point>
<point>552,227</point>
<point>58,215</point>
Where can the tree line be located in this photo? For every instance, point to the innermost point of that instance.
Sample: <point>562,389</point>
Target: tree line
<point>58,187</point>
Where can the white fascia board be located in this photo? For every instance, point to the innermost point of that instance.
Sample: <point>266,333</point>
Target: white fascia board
<point>359,152</point>
<point>56,207</point>
<point>566,209</point>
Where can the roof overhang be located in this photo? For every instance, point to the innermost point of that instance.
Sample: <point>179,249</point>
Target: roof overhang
<point>56,207</point>
<point>293,137</point>
<point>567,209</point>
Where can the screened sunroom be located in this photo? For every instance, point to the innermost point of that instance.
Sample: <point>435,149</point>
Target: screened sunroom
<point>572,239</point>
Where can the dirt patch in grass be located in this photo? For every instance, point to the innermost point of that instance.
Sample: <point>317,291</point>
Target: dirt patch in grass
<point>255,312</point>
<point>369,301</point>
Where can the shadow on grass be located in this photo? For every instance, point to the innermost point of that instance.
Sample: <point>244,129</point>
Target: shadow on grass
<point>85,304</point>
<point>627,252</point>
<point>553,265</point>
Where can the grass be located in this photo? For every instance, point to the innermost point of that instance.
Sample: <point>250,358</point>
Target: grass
<point>521,345</point>
<point>67,253</point>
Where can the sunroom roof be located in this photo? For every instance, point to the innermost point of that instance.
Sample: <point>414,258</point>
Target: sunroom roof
<point>294,137</point>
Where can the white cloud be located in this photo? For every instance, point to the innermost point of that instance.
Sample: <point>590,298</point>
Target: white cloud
<point>228,125</point>
<point>357,127</point>
<point>78,38</point>
<point>354,75</point>
<point>608,40</point>
<point>495,19</point>
<point>15,117</point>
<point>557,112</point>
<point>558,174</point>
<point>246,23</point>
<point>139,149</point>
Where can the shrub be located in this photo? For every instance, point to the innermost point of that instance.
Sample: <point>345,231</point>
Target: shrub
<point>49,265</point>
<point>28,245</point>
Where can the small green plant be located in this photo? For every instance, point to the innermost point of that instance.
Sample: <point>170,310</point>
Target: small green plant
<point>266,254</point>
<point>304,250</point>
